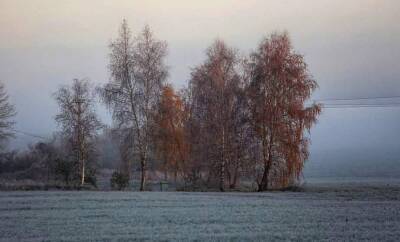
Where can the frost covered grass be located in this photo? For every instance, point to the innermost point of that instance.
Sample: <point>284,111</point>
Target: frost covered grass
<point>347,211</point>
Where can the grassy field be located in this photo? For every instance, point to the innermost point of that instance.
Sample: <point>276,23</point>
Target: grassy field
<point>325,211</point>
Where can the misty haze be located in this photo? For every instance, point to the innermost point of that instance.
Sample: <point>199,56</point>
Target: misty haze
<point>199,120</point>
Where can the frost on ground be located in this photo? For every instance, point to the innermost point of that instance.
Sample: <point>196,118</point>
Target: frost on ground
<point>324,211</point>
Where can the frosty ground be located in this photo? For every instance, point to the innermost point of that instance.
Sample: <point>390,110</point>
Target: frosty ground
<point>366,210</point>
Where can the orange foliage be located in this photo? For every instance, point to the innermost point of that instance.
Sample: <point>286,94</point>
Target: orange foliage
<point>170,144</point>
<point>279,86</point>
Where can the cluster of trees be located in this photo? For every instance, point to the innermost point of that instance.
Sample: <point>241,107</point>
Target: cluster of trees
<point>43,161</point>
<point>241,118</point>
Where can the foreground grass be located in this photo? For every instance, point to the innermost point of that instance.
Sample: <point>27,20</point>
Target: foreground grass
<point>361,212</point>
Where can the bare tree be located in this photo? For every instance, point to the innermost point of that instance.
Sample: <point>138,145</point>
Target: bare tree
<point>7,112</point>
<point>78,121</point>
<point>215,85</point>
<point>138,73</point>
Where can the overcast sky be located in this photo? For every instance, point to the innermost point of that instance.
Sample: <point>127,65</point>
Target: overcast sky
<point>352,49</point>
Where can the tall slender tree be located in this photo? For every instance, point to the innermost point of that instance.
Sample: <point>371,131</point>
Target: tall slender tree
<point>78,121</point>
<point>7,113</point>
<point>280,84</point>
<point>214,87</point>
<point>138,72</point>
<point>169,137</point>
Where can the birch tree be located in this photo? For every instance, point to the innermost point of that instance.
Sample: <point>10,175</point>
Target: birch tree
<point>138,72</point>
<point>7,113</point>
<point>280,83</point>
<point>214,85</point>
<point>78,121</point>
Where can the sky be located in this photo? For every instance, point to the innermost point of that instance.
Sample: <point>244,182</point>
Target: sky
<point>352,49</point>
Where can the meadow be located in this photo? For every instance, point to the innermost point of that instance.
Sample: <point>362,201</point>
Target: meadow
<point>347,210</point>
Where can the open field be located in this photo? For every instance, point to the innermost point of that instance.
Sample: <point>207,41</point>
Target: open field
<point>325,211</point>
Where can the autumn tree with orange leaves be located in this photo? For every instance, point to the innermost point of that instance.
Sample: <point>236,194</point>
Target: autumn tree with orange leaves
<point>279,85</point>
<point>169,137</point>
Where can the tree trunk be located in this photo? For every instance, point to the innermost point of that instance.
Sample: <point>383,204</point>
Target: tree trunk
<point>264,181</point>
<point>175,175</point>
<point>222,172</point>
<point>263,186</point>
<point>222,177</point>
<point>165,175</point>
<point>83,173</point>
<point>267,162</point>
<point>143,171</point>
<point>66,178</point>
<point>235,176</point>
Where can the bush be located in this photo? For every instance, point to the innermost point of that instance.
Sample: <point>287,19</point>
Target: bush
<point>64,168</point>
<point>92,180</point>
<point>119,180</point>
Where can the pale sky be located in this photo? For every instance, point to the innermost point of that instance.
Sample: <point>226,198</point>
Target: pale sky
<point>352,49</point>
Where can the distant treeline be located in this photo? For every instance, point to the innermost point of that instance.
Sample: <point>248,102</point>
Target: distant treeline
<point>241,118</point>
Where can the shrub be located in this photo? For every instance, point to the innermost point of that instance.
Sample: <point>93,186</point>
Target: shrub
<point>119,180</point>
<point>64,168</point>
<point>92,180</point>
